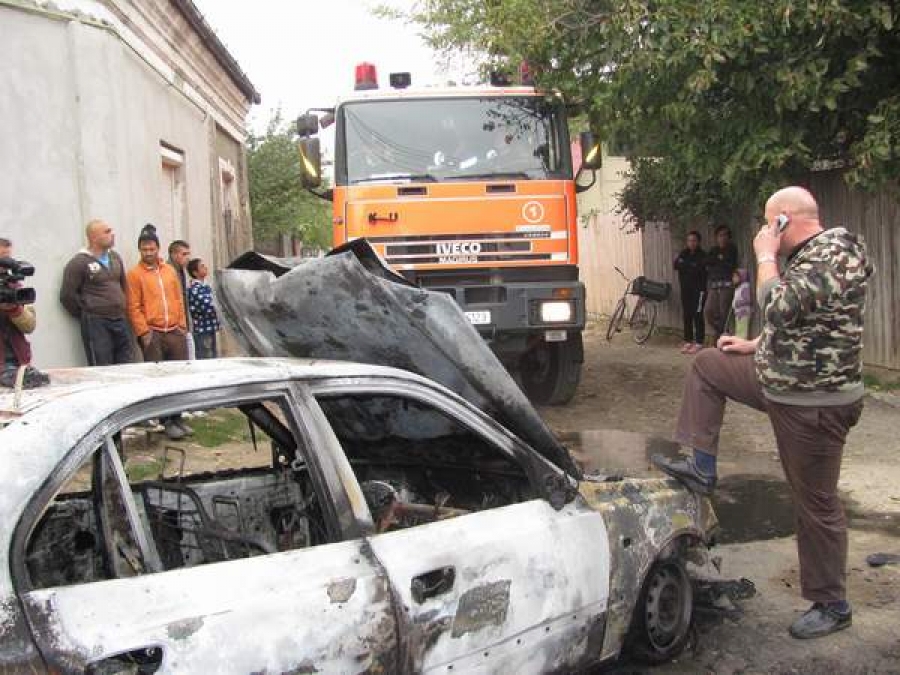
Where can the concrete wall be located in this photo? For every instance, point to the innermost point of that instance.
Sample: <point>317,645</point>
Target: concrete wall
<point>83,115</point>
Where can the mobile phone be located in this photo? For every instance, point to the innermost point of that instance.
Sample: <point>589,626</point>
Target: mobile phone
<point>781,222</point>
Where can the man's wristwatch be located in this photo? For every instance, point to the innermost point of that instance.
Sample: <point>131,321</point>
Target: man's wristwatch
<point>765,258</point>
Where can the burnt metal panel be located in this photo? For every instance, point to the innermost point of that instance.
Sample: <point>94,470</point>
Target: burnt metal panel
<point>350,306</point>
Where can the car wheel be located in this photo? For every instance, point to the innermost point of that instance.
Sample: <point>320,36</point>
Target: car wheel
<point>663,615</point>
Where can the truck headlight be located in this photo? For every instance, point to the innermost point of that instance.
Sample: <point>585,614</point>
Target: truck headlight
<point>556,312</point>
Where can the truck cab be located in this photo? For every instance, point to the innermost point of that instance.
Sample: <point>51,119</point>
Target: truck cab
<point>470,191</point>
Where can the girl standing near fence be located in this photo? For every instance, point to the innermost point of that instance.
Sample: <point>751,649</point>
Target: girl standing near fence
<point>691,267</point>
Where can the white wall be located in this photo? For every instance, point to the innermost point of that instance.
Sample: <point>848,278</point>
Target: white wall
<point>82,117</point>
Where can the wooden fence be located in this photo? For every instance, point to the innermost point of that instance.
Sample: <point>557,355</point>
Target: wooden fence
<point>875,216</point>
<point>604,241</point>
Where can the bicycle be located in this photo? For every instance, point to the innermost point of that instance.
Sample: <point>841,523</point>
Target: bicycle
<point>642,319</point>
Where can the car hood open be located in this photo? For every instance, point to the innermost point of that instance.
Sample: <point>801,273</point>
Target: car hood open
<point>350,306</point>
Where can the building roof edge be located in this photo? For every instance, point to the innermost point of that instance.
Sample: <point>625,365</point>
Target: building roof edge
<point>194,17</point>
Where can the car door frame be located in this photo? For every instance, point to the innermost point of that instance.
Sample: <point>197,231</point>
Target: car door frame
<point>344,528</point>
<point>586,630</point>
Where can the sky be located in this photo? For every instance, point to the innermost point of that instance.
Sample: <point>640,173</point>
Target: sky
<point>301,54</point>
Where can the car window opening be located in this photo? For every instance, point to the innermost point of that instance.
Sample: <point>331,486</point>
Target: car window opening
<point>238,487</point>
<point>416,465</point>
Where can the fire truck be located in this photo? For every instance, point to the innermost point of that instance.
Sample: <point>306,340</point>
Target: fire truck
<point>468,191</point>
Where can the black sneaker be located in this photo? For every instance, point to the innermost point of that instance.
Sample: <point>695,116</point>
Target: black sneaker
<point>820,620</point>
<point>684,470</point>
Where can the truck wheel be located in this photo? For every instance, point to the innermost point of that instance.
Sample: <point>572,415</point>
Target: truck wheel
<point>550,372</point>
<point>663,614</point>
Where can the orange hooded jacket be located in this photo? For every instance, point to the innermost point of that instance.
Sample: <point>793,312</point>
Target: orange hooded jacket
<point>154,299</point>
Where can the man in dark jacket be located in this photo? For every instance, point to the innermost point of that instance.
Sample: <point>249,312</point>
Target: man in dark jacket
<point>93,291</point>
<point>179,256</point>
<point>721,262</point>
<point>691,267</point>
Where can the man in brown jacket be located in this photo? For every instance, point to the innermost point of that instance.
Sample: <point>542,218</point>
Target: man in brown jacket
<point>93,291</point>
<point>156,312</point>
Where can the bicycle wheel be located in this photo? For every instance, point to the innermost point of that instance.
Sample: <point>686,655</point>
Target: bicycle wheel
<point>615,321</point>
<point>643,321</point>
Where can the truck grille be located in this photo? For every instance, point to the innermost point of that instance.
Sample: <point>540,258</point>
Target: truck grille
<point>454,249</point>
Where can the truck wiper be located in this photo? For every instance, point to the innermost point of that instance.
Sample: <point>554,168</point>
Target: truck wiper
<point>501,175</point>
<point>412,177</point>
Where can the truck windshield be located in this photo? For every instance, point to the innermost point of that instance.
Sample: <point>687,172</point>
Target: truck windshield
<point>451,139</point>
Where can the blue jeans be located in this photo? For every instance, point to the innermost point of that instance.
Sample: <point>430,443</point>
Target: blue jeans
<point>205,345</point>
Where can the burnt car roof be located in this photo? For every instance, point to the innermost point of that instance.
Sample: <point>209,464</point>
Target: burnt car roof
<point>350,306</point>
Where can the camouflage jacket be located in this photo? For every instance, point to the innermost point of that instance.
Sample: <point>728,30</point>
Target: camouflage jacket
<point>809,352</point>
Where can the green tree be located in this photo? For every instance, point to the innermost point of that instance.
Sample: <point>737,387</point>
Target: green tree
<point>719,100</point>
<point>279,203</point>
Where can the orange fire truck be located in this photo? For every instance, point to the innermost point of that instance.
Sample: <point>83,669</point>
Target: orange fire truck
<point>468,191</point>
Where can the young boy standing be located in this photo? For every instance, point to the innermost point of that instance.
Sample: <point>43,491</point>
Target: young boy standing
<point>204,318</point>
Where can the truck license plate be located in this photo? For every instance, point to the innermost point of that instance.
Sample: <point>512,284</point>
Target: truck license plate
<point>479,318</point>
<point>555,335</point>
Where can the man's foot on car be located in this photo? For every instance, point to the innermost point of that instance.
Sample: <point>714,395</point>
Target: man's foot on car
<point>821,620</point>
<point>173,431</point>
<point>685,470</point>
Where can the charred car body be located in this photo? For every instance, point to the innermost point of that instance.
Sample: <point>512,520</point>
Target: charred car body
<point>498,556</point>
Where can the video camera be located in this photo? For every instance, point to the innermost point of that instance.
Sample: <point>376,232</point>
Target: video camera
<point>12,274</point>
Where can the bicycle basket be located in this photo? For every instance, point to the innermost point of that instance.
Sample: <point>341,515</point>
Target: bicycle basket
<point>652,290</point>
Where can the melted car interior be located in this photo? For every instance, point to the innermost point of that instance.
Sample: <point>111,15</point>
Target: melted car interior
<point>237,487</point>
<point>431,466</point>
<point>240,486</point>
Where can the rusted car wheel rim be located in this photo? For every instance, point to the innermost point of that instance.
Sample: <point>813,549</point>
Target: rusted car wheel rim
<point>668,606</point>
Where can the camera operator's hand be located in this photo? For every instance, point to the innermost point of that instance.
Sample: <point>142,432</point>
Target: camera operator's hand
<point>7,308</point>
<point>735,345</point>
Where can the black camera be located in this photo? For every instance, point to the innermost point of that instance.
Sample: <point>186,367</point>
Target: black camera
<point>12,274</point>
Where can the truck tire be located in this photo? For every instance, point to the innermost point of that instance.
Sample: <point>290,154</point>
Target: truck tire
<point>550,372</point>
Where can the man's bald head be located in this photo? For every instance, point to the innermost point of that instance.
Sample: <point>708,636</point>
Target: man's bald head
<point>796,202</point>
<point>800,207</point>
<point>100,236</point>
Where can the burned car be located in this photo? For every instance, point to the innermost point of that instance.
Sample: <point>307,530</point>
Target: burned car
<point>325,516</point>
<point>496,559</point>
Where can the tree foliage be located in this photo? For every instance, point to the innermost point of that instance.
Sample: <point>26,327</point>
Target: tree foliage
<point>279,204</point>
<point>719,101</point>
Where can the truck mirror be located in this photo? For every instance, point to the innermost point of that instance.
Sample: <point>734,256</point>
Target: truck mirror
<point>307,125</point>
<point>310,162</point>
<point>591,156</point>
<point>327,120</point>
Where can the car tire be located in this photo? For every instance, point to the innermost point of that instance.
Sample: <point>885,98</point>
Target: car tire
<point>551,371</point>
<point>663,616</point>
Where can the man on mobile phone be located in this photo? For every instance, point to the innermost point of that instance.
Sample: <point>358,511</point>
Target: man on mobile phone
<point>805,371</point>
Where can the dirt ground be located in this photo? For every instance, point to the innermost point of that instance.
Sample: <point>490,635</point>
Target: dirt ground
<point>625,410</point>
